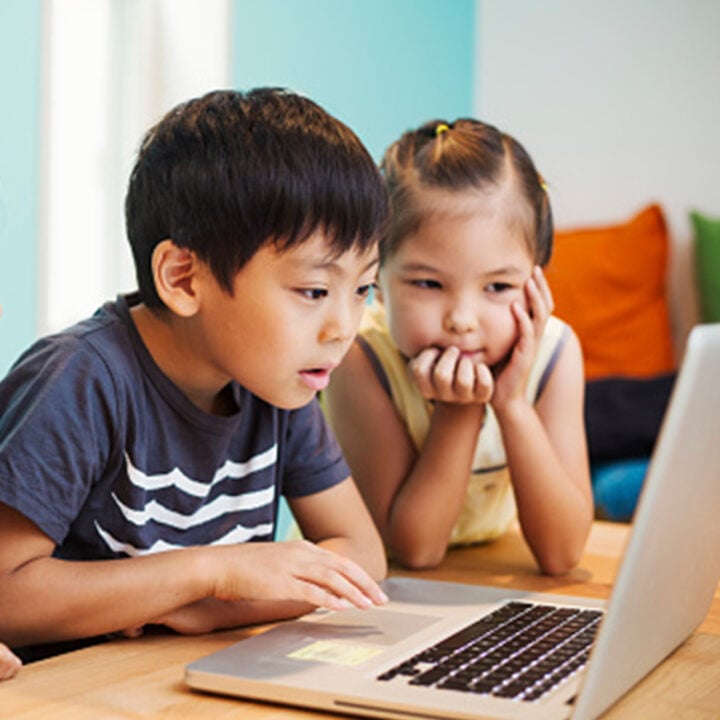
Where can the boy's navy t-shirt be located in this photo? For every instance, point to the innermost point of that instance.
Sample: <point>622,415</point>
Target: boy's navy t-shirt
<point>108,457</point>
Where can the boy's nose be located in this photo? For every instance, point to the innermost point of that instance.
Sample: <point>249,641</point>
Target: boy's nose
<point>341,326</point>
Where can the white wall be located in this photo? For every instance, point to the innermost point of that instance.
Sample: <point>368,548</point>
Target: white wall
<point>618,102</point>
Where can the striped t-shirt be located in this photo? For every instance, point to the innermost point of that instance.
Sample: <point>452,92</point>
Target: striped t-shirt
<point>108,457</point>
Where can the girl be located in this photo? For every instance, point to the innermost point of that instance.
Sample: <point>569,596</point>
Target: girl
<point>460,405</point>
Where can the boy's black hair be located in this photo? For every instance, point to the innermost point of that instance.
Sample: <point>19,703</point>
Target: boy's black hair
<point>227,173</point>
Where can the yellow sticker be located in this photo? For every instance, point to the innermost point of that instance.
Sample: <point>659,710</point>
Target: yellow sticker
<point>335,653</point>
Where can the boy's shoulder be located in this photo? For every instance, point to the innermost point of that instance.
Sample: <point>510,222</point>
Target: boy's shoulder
<point>99,340</point>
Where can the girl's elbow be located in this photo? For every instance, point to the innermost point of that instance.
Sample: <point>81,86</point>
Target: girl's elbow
<point>420,558</point>
<point>375,560</point>
<point>379,569</point>
<point>559,562</point>
<point>555,568</point>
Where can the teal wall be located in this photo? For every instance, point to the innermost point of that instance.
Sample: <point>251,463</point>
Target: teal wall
<point>381,66</point>
<point>20,79</point>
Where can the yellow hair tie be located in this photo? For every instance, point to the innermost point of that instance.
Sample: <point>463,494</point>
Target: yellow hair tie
<point>440,129</point>
<point>543,185</point>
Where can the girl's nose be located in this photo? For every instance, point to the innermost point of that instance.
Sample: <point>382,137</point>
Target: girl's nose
<point>460,321</point>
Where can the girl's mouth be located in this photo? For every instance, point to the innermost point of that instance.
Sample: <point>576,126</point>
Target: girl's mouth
<point>473,355</point>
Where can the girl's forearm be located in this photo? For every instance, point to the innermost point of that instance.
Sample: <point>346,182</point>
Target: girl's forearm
<point>430,499</point>
<point>554,507</point>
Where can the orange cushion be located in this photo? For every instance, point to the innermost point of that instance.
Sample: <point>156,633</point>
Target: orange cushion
<point>609,284</point>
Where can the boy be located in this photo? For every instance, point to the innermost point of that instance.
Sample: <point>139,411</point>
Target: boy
<point>156,437</point>
<point>9,663</point>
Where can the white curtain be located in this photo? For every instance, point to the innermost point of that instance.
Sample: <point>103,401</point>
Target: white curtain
<point>112,69</point>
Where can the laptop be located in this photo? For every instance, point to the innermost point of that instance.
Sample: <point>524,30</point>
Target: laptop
<point>452,650</point>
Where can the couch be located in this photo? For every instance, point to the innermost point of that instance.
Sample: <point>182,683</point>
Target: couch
<point>610,284</point>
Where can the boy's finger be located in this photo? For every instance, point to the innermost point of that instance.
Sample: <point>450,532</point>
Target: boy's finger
<point>342,583</point>
<point>361,580</point>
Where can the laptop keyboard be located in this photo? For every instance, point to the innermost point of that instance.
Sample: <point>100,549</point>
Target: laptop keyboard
<point>520,651</point>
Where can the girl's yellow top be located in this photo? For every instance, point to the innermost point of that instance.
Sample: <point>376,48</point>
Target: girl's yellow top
<point>489,507</point>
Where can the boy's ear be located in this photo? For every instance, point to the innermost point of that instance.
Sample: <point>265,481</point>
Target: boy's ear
<point>175,272</point>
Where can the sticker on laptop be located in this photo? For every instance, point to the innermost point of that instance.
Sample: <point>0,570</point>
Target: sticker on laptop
<point>335,653</point>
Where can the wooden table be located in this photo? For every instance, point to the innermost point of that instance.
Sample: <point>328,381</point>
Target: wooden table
<point>143,678</point>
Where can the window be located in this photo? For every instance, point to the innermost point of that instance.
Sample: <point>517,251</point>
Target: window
<point>112,69</point>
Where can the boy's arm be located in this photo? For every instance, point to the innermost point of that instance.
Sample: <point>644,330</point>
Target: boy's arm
<point>44,599</point>
<point>335,519</point>
<point>9,663</point>
<point>338,520</point>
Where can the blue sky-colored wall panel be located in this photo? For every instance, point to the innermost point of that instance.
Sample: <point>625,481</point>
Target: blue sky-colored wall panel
<point>20,53</point>
<point>381,66</point>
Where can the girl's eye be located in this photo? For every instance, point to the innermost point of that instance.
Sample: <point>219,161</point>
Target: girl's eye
<point>314,293</point>
<point>426,284</point>
<point>499,287</point>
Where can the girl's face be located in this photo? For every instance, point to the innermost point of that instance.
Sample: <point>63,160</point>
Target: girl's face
<point>453,280</point>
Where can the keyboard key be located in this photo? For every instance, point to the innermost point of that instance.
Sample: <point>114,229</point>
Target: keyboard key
<point>521,651</point>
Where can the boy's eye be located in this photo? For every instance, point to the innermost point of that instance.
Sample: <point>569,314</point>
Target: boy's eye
<point>427,284</point>
<point>314,293</point>
<point>364,290</point>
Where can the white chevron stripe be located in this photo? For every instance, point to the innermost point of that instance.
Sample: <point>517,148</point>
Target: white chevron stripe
<point>239,534</point>
<point>181,481</point>
<point>222,505</point>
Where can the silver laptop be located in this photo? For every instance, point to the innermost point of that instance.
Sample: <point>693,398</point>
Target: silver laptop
<point>450,650</point>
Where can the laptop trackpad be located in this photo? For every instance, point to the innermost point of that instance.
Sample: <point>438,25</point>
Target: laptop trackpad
<point>377,627</point>
<point>343,639</point>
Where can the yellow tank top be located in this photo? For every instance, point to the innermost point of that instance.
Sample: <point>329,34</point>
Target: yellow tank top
<point>489,507</point>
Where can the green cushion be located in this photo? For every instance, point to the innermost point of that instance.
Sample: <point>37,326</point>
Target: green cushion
<point>707,265</point>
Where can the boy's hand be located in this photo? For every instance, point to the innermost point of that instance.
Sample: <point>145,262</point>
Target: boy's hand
<point>511,378</point>
<point>9,663</point>
<point>297,570</point>
<point>447,376</point>
<point>211,614</point>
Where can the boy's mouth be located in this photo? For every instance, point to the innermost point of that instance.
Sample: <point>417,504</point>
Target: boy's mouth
<point>316,379</point>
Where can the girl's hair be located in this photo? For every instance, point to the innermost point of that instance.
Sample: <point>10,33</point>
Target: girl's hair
<point>229,172</point>
<point>460,156</point>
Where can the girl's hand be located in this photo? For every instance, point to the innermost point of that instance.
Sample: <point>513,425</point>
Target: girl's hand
<point>511,377</point>
<point>447,376</point>
<point>540,300</point>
